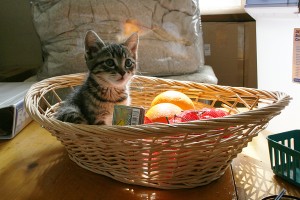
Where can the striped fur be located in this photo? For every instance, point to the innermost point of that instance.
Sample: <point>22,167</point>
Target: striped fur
<point>111,66</point>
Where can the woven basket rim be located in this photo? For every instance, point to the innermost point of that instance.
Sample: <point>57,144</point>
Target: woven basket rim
<point>282,100</point>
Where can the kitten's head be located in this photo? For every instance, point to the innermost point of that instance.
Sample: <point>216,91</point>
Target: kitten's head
<point>111,64</point>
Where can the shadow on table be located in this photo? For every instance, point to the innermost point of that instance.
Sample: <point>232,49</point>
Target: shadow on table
<point>256,180</point>
<point>63,179</point>
<point>52,175</point>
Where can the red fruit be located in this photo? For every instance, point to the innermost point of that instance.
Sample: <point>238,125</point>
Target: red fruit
<point>192,115</point>
<point>147,120</point>
<point>208,113</point>
<point>189,115</point>
<point>175,120</point>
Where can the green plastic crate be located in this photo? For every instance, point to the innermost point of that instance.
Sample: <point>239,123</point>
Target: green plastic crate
<point>284,149</point>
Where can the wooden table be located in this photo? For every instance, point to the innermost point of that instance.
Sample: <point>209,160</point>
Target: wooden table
<point>34,165</point>
<point>254,178</point>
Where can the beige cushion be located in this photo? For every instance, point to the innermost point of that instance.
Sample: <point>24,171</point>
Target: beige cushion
<point>205,74</point>
<point>170,36</point>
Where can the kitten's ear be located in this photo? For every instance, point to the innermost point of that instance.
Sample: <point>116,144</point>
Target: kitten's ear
<point>132,43</point>
<point>93,44</point>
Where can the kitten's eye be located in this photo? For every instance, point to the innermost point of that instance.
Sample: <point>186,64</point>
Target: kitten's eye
<point>110,63</point>
<point>128,63</point>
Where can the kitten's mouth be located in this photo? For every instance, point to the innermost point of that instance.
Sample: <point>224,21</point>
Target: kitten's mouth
<point>119,80</point>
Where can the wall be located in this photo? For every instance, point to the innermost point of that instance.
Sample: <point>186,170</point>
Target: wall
<point>216,7</point>
<point>19,43</point>
<point>275,31</point>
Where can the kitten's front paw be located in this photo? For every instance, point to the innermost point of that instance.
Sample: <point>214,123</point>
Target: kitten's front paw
<point>72,117</point>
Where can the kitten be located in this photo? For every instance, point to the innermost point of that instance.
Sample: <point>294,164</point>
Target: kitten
<point>111,66</point>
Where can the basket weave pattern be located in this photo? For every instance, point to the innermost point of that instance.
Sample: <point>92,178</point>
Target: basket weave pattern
<point>182,155</point>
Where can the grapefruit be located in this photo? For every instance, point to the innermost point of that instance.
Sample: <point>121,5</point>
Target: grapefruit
<point>160,112</point>
<point>178,98</point>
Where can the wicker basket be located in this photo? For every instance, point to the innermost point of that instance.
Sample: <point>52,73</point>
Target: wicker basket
<point>182,155</point>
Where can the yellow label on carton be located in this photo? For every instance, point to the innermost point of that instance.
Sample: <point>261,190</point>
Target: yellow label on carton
<point>127,115</point>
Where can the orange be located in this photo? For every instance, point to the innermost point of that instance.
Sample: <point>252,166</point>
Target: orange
<point>174,97</point>
<point>159,112</point>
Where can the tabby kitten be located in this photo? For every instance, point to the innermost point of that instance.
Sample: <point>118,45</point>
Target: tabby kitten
<point>110,68</point>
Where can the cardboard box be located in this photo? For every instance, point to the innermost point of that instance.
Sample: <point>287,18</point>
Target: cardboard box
<point>128,115</point>
<point>250,62</point>
<point>13,116</point>
<point>230,48</point>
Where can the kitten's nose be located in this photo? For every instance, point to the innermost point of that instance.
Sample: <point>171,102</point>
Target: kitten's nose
<point>122,73</point>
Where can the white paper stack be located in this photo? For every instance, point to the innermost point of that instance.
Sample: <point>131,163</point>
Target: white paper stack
<point>13,116</point>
